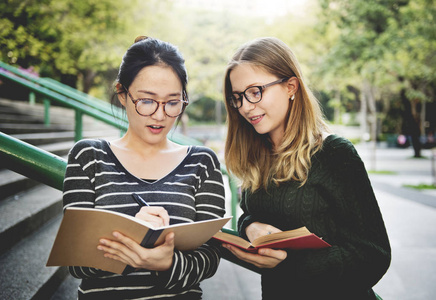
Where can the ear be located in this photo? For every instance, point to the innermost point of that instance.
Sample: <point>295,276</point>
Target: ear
<point>293,85</point>
<point>121,94</point>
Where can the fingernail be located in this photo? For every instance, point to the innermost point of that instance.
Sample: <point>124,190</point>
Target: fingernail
<point>115,234</point>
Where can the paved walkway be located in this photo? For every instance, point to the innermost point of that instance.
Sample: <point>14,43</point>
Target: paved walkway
<point>410,218</point>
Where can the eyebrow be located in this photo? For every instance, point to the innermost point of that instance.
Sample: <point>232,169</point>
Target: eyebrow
<point>155,94</point>
<point>248,86</point>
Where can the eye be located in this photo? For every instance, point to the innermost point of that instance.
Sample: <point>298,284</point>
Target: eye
<point>173,103</point>
<point>146,101</point>
<point>253,92</point>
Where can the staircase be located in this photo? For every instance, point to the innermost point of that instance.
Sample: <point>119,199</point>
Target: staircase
<point>30,212</point>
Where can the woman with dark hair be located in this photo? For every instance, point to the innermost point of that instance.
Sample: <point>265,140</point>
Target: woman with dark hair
<point>295,173</point>
<point>179,183</point>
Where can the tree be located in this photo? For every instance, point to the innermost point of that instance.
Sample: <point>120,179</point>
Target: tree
<point>412,40</point>
<point>389,46</point>
<point>64,39</point>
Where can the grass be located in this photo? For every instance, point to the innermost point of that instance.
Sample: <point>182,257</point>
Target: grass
<point>421,186</point>
<point>382,172</point>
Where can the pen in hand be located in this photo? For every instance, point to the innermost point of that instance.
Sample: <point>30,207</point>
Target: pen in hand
<point>141,202</point>
<point>163,218</point>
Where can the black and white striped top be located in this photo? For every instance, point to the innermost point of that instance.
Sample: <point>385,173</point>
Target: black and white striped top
<point>193,191</point>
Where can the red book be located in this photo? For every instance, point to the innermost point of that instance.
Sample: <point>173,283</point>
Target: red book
<point>297,239</point>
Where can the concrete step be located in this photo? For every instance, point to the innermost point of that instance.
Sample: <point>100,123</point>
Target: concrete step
<point>23,272</point>
<point>21,108</point>
<point>22,214</point>
<point>12,183</point>
<point>27,111</point>
<point>67,290</point>
<point>19,128</point>
<point>63,136</point>
<point>17,119</point>
<point>61,148</point>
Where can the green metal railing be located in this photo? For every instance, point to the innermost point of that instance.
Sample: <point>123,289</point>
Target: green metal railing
<point>60,88</point>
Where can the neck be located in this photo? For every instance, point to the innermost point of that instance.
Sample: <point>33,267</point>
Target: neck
<point>276,140</point>
<point>135,143</point>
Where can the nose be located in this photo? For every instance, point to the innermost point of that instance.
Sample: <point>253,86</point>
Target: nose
<point>159,114</point>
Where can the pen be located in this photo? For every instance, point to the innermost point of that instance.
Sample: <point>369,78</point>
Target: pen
<point>141,202</point>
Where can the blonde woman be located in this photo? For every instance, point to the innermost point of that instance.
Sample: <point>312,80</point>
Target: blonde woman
<point>295,173</point>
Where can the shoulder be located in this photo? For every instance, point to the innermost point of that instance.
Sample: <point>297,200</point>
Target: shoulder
<point>339,150</point>
<point>340,155</point>
<point>88,146</point>
<point>204,154</point>
<point>337,144</point>
<point>202,149</point>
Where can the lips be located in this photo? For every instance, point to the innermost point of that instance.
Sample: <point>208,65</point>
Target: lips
<point>155,128</point>
<point>256,119</point>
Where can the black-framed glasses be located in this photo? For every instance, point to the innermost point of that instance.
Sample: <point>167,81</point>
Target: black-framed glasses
<point>172,108</point>
<point>252,94</point>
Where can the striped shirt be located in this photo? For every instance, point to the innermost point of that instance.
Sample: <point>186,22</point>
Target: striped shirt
<point>193,191</point>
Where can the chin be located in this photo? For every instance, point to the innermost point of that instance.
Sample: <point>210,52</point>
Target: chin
<point>261,130</point>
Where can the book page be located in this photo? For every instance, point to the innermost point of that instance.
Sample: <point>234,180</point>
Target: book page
<point>232,239</point>
<point>274,237</point>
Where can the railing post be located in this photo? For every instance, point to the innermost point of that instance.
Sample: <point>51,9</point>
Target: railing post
<point>78,127</point>
<point>46,112</point>
<point>32,98</point>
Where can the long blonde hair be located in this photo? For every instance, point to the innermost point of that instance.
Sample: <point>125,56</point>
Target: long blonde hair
<point>249,155</point>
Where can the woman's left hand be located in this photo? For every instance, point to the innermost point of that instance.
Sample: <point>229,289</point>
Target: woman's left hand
<point>126,250</point>
<point>265,258</point>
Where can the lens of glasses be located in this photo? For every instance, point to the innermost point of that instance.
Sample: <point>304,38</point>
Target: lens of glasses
<point>236,101</point>
<point>147,107</point>
<point>252,94</point>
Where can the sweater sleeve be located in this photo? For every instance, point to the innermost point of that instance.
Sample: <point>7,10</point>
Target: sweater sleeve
<point>191,267</point>
<point>360,253</point>
<point>245,219</point>
<point>78,191</point>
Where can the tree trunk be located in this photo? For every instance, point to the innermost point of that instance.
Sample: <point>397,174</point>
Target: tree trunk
<point>369,98</point>
<point>88,80</point>
<point>411,124</point>
<point>70,80</point>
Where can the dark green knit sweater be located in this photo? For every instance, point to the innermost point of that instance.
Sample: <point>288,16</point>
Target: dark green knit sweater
<point>338,204</point>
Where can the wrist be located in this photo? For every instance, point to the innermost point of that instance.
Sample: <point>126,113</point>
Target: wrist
<point>166,264</point>
<point>243,224</point>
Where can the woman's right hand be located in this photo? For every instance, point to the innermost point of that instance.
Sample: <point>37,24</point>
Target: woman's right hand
<point>157,216</point>
<point>257,229</point>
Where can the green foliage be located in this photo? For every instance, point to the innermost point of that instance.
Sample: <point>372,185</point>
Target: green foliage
<point>389,43</point>
<point>62,37</point>
<point>340,44</point>
<point>204,111</point>
<point>207,39</point>
<point>421,186</point>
